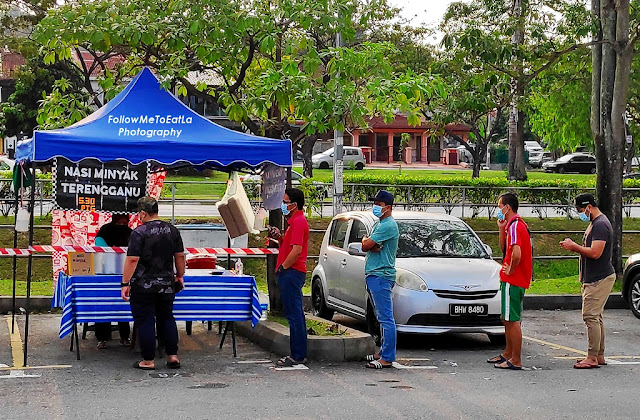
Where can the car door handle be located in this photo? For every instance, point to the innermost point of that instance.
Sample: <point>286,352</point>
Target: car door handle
<point>324,257</point>
<point>343,262</point>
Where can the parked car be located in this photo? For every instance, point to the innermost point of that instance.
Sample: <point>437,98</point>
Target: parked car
<point>352,156</point>
<point>631,283</point>
<point>539,159</point>
<point>575,162</point>
<point>631,175</point>
<point>446,279</point>
<point>464,155</point>
<point>6,164</point>
<point>534,149</point>
<point>296,177</point>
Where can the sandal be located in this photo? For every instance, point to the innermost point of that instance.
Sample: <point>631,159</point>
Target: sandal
<point>599,364</point>
<point>125,342</point>
<point>376,364</point>
<point>371,357</point>
<point>584,365</point>
<point>288,361</point>
<point>174,365</point>
<point>508,366</point>
<point>137,366</point>
<point>102,345</point>
<point>497,359</point>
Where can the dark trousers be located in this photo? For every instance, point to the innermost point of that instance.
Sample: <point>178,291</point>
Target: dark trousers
<point>291,282</point>
<point>103,330</point>
<point>150,310</point>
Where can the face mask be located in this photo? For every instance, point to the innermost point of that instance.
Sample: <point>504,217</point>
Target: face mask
<point>377,210</point>
<point>285,209</point>
<point>583,216</point>
<point>500,215</point>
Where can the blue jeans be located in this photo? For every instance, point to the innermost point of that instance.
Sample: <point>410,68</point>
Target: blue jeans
<point>291,282</point>
<point>380,292</point>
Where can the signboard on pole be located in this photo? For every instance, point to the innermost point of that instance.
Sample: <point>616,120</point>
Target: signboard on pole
<point>273,185</point>
<point>91,185</point>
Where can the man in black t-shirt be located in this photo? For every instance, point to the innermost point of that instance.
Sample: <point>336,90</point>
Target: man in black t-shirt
<point>597,275</point>
<point>150,284</point>
<point>114,233</point>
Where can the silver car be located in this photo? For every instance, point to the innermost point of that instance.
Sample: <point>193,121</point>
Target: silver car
<point>446,280</point>
<point>353,156</point>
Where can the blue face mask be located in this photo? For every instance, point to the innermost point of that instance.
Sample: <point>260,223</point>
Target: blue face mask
<point>285,209</point>
<point>583,216</point>
<point>500,215</point>
<point>377,210</point>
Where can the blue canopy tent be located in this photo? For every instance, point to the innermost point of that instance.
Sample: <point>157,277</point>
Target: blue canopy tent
<point>146,123</point>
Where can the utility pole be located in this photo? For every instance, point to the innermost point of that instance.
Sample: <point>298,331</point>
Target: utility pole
<point>338,141</point>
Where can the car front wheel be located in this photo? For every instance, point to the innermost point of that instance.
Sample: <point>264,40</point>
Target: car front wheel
<point>373,326</point>
<point>323,165</point>
<point>319,305</point>
<point>497,339</point>
<point>359,166</point>
<point>634,296</point>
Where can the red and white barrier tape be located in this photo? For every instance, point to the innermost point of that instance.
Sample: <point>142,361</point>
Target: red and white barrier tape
<point>122,250</point>
<point>14,251</point>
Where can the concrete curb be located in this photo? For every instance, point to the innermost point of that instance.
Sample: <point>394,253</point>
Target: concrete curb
<point>38,303</point>
<point>275,338</point>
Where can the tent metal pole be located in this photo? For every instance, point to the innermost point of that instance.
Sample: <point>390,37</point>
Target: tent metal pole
<point>32,201</point>
<point>15,266</point>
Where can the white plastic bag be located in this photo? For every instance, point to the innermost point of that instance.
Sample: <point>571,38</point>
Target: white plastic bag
<point>235,209</point>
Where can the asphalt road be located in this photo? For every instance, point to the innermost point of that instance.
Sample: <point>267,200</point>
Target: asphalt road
<point>453,380</point>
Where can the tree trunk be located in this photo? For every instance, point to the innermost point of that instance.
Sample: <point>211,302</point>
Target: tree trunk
<point>517,170</point>
<point>610,86</point>
<point>307,153</point>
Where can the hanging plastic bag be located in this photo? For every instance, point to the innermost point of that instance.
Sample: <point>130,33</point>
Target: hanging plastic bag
<point>235,208</point>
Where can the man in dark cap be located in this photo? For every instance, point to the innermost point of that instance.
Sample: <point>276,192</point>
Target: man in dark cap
<point>380,276</point>
<point>150,282</point>
<point>597,275</point>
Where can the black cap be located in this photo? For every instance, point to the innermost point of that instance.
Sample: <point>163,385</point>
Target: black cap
<point>148,204</point>
<point>583,200</point>
<point>384,196</point>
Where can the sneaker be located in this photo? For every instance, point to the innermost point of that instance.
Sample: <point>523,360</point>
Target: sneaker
<point>102,345</point>
<point>125,342</point>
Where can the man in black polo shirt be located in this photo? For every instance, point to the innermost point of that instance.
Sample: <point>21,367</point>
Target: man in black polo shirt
<point>149,281</point>
<point>597,275</point>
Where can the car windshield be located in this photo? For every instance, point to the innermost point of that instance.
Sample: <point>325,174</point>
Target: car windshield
<point>565,158</point>
<point>438,238</point>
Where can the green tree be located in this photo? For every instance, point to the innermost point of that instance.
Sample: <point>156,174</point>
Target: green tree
<point>558,105</point>
<point>519,39</point>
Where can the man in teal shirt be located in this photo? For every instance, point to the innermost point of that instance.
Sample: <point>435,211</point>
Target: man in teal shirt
<point>380,275</point>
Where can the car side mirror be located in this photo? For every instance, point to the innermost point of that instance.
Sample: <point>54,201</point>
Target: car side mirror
<point>355,248</point>
<point>488,249</point>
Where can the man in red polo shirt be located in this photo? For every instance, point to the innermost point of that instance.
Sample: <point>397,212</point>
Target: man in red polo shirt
<point>292,272</point>
<point>515,278</point>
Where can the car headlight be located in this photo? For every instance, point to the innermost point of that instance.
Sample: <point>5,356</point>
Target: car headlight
<point>409,280</point>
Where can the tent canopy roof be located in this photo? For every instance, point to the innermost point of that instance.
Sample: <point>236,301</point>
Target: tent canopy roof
<point>146,123</point>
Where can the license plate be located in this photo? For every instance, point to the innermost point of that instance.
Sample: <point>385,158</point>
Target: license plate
<point>468,309</point>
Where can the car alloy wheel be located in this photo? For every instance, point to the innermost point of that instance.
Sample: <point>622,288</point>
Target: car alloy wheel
<point>318,303</point>
<point>634,296</point>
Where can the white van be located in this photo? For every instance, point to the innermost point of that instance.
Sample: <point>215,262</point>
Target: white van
<point>352,156</point>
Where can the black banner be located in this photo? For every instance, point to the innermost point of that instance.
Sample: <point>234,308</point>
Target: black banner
<point>95,186</point>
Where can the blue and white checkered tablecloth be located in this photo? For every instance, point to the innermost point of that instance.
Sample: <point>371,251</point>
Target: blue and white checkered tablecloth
<point>205,298</point>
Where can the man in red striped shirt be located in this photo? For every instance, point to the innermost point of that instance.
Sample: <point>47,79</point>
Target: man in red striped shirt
<point>515,278</point>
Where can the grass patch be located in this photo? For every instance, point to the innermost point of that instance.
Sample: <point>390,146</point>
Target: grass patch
<point>562,286</point>
<point>322,329</point>
<point>38,288</point>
